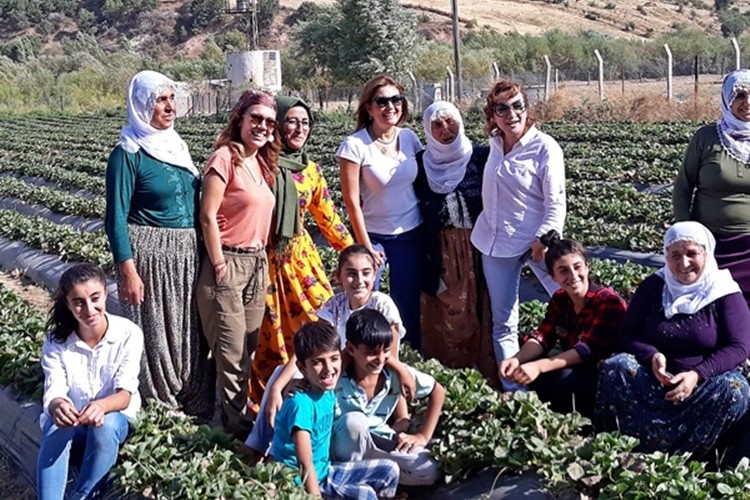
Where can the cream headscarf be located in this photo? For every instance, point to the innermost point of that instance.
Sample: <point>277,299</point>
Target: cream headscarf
<point>734,134</point>
<point>445,164</point>
<point>713,283</point>
<point>165,145</point>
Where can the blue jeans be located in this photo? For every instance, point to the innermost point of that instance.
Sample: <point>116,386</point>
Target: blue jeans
<point>404,254</point>
<point>99,445</point>
<point>503,275</point>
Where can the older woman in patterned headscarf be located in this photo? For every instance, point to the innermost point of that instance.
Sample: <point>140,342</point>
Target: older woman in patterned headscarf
<point>713,184</point>
<point>685,333</point>
<point>456,326</point>
<point>151,221</point>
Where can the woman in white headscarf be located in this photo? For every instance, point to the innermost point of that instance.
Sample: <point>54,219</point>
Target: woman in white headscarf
<point>686,335</point>
<point>151,220</point>
<point>455,317</point>
<point>713,184</point>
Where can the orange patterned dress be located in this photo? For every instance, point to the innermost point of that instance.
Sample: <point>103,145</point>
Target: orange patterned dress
<point>298,285</point>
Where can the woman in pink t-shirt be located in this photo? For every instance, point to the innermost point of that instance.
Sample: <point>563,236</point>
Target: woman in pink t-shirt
<point>231,286</point>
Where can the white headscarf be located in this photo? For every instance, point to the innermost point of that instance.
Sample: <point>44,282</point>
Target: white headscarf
<point>445,164</point>
<point>165,145</point>
<point>734,134</point>
<point>713,283</point>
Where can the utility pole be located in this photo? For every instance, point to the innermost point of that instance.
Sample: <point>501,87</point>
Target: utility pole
<point>457,50</point>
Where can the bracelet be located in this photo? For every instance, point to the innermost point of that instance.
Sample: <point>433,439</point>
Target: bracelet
<point>220,263</point>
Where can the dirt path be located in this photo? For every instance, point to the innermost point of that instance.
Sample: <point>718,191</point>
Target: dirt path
<point>21,286</point>
<point>11,484</point>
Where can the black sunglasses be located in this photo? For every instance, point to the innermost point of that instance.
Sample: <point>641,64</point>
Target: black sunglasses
<point>397,100</point>
<point>502,109</point>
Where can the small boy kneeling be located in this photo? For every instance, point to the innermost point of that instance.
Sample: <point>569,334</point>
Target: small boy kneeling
<point>303,426</point>
<point>368,395</point>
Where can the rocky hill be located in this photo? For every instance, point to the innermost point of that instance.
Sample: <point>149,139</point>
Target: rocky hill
<point>182,26</point>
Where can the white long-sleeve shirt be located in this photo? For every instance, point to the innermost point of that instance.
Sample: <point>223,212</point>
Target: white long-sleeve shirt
<point>523,193</point>
<point>80,374</point>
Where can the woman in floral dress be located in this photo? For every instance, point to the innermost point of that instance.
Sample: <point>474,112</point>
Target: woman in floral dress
<point>298,283</point>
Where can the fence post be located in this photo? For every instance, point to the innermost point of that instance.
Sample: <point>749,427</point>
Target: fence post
<point>495,71</point>
<point>456,49</point>
<point>695,69</point>
<point>557,80</point>
<point>546,79</point>
<point>451,80</point>
<point>417,107</point>
<point>601,74</point>
<point>669,72</point>
<point>736,52</point>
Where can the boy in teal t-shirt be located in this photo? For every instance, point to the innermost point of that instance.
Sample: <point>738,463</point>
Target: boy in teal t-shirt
<point>302,434</point>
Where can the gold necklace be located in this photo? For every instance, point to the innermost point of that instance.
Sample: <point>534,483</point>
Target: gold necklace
<point>381,144</point>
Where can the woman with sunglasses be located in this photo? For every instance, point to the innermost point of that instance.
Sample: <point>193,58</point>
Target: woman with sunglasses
<point>298,285</point>
<point>151,221</point>
<point>523,195</point>
<point>378,167</point>
<point>237,183</point>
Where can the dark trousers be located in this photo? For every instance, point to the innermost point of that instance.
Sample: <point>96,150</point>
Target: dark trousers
<point>563,389</point>
<point>404,254</point>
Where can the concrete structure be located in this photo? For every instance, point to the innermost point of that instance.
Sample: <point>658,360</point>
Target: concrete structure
<point>254,69</point>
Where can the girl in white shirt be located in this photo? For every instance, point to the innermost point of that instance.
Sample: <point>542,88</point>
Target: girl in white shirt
<point>91,362</point>
<point>523,195</point>
<point>378,167</point>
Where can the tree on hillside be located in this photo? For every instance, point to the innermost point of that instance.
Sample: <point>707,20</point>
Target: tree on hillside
<point>355,39</point>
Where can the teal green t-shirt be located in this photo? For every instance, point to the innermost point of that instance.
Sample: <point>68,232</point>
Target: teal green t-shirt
<point>145,191</point>
<point>306,411</point>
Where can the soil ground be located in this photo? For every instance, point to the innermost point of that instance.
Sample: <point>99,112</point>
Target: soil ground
<point>12,485</point>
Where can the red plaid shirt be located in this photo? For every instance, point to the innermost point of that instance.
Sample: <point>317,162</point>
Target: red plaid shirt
<point>592,332</point>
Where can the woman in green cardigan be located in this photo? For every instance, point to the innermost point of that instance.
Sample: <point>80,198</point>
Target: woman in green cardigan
<point>713,184</point>
<point>151,220</point>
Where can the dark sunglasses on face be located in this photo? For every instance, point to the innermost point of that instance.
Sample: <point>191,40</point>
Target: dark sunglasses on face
<point>397,100</point>
<point>502,109</point>
<point>256,119</point>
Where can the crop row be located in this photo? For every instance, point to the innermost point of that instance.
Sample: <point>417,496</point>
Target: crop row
<point>54,199</point>
<point>57,175</point>
<point>65,241</point>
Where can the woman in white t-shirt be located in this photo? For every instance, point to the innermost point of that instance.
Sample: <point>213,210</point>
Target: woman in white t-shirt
<point>523,197</point>
<point>378,167</point>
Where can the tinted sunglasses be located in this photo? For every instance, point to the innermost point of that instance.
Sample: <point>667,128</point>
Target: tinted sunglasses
<point>502,109</point>
<point>257,119</point>
<point>397,100</point>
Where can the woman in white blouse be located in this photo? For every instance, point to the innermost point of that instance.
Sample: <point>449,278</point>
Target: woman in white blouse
<point>378,167</point>
<point>91,361</point>
<point>523,196</point>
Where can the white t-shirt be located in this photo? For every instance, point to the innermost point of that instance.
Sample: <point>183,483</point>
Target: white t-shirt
<point>79,373</point>
<point>389,204</point>
<point>523,194</point>
<point>337,312</point>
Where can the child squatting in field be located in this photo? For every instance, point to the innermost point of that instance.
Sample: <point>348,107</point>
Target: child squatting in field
<point>302,435</point>
<point>367,396</point>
